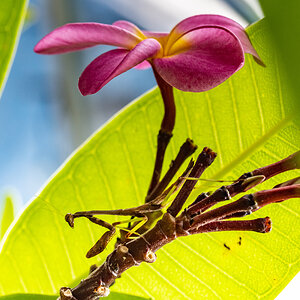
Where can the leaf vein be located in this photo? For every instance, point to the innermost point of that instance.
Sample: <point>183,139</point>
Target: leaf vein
<point>18,271</point>
<point>236,115</point>
<point>258,101</point>
<point>139,285</point>
<point>42,257</point>
<point>131,168</point>
<point>190,273</point>
<point>279,87</point>
<point>218,268</point>
<point>214,127</point>
<point>169,282</point>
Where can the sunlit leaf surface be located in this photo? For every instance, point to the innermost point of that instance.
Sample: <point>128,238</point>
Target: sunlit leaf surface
<point>12,14</point>
<point>247,120</point>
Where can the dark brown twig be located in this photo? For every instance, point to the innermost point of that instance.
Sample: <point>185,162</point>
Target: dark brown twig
<point>247,204</point>
<point>245,182</point>
<point>262,225</point>
<point>204,160</point>
<point>186,150</point>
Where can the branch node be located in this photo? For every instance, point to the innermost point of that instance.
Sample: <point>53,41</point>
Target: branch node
<point>268,225</point>
<point>66,294</point>
<point>122,249</point>
<point>102,291</point>
<point>70,219</point>
<point>168,226</point>
<point>252,181</point>
<point>150,256</point>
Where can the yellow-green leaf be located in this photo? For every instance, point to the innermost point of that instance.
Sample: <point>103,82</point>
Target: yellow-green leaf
<point>7,215</point>
<point>248,120</point>
<point>12,14</point>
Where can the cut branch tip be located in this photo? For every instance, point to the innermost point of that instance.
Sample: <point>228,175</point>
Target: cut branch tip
<point>70,219</point>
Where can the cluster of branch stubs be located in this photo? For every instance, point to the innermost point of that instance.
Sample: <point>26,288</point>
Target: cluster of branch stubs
<point>156,223</point>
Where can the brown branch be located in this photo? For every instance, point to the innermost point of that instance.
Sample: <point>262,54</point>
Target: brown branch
<point>224,193</point>
<point>247,204</point>
<point>142,249</point>
<point>186,150</point>
<point>262,225</point>
<point>163,139</point>
<point>290,163</point>
<point>124,257</point>
<point>244,183</point>
<point>204,160</point>
<point>266,197</point>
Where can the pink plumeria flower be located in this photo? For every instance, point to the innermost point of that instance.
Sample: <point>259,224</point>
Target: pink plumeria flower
<point>198,54</point>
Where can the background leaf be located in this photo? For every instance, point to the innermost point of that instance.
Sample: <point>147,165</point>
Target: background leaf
<point>7,216</point>
<point>284,27</point>
<point>12,14</point>
<point>247,120</point>
<point>28,296</point>
<point>112,296</point>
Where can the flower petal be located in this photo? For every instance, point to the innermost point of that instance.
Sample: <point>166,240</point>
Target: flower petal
<point>77,36</point>
<point>113,63</point>
<point>159,36</point>
<point>143,65</point>
<point>212,54</point>
<point>162,37</point>
<point>197,21</point>
<point>130,27</point>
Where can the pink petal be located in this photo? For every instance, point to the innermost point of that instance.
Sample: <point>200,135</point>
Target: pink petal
<point>162,37</point>
<point>212,54</point>
<point>143,65</point>
<point>197,21</point>
<point>78,36</point>
<point>130,27</point>
<point>159,36</point>
<point>141,33</point>
<point>155,35</point>
<point>113,63</point>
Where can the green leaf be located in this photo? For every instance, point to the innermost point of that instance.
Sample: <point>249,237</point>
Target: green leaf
<point>283,21</point>
<point>7,216</point>
<point>247,120</point>
<point>28,296</point>
<point>12,14</point>
<point>112,296</point>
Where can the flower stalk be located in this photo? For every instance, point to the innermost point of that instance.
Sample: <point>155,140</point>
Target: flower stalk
<point>165,133</point>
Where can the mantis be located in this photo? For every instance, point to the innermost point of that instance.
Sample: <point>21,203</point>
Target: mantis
<point>142,216</point>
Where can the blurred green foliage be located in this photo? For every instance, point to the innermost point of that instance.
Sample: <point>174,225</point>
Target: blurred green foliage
<point>283,18</point>
<point>7,216</point>
<point>12,15</point>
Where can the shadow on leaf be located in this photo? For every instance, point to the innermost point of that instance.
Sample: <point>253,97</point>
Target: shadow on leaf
<point>112,296</point>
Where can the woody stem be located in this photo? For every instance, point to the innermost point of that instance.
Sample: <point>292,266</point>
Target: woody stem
<point>245,182</point>
<point>246,204</point>
<point>204,160</point>
<point>262,225</point>
<point>187,149</point>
